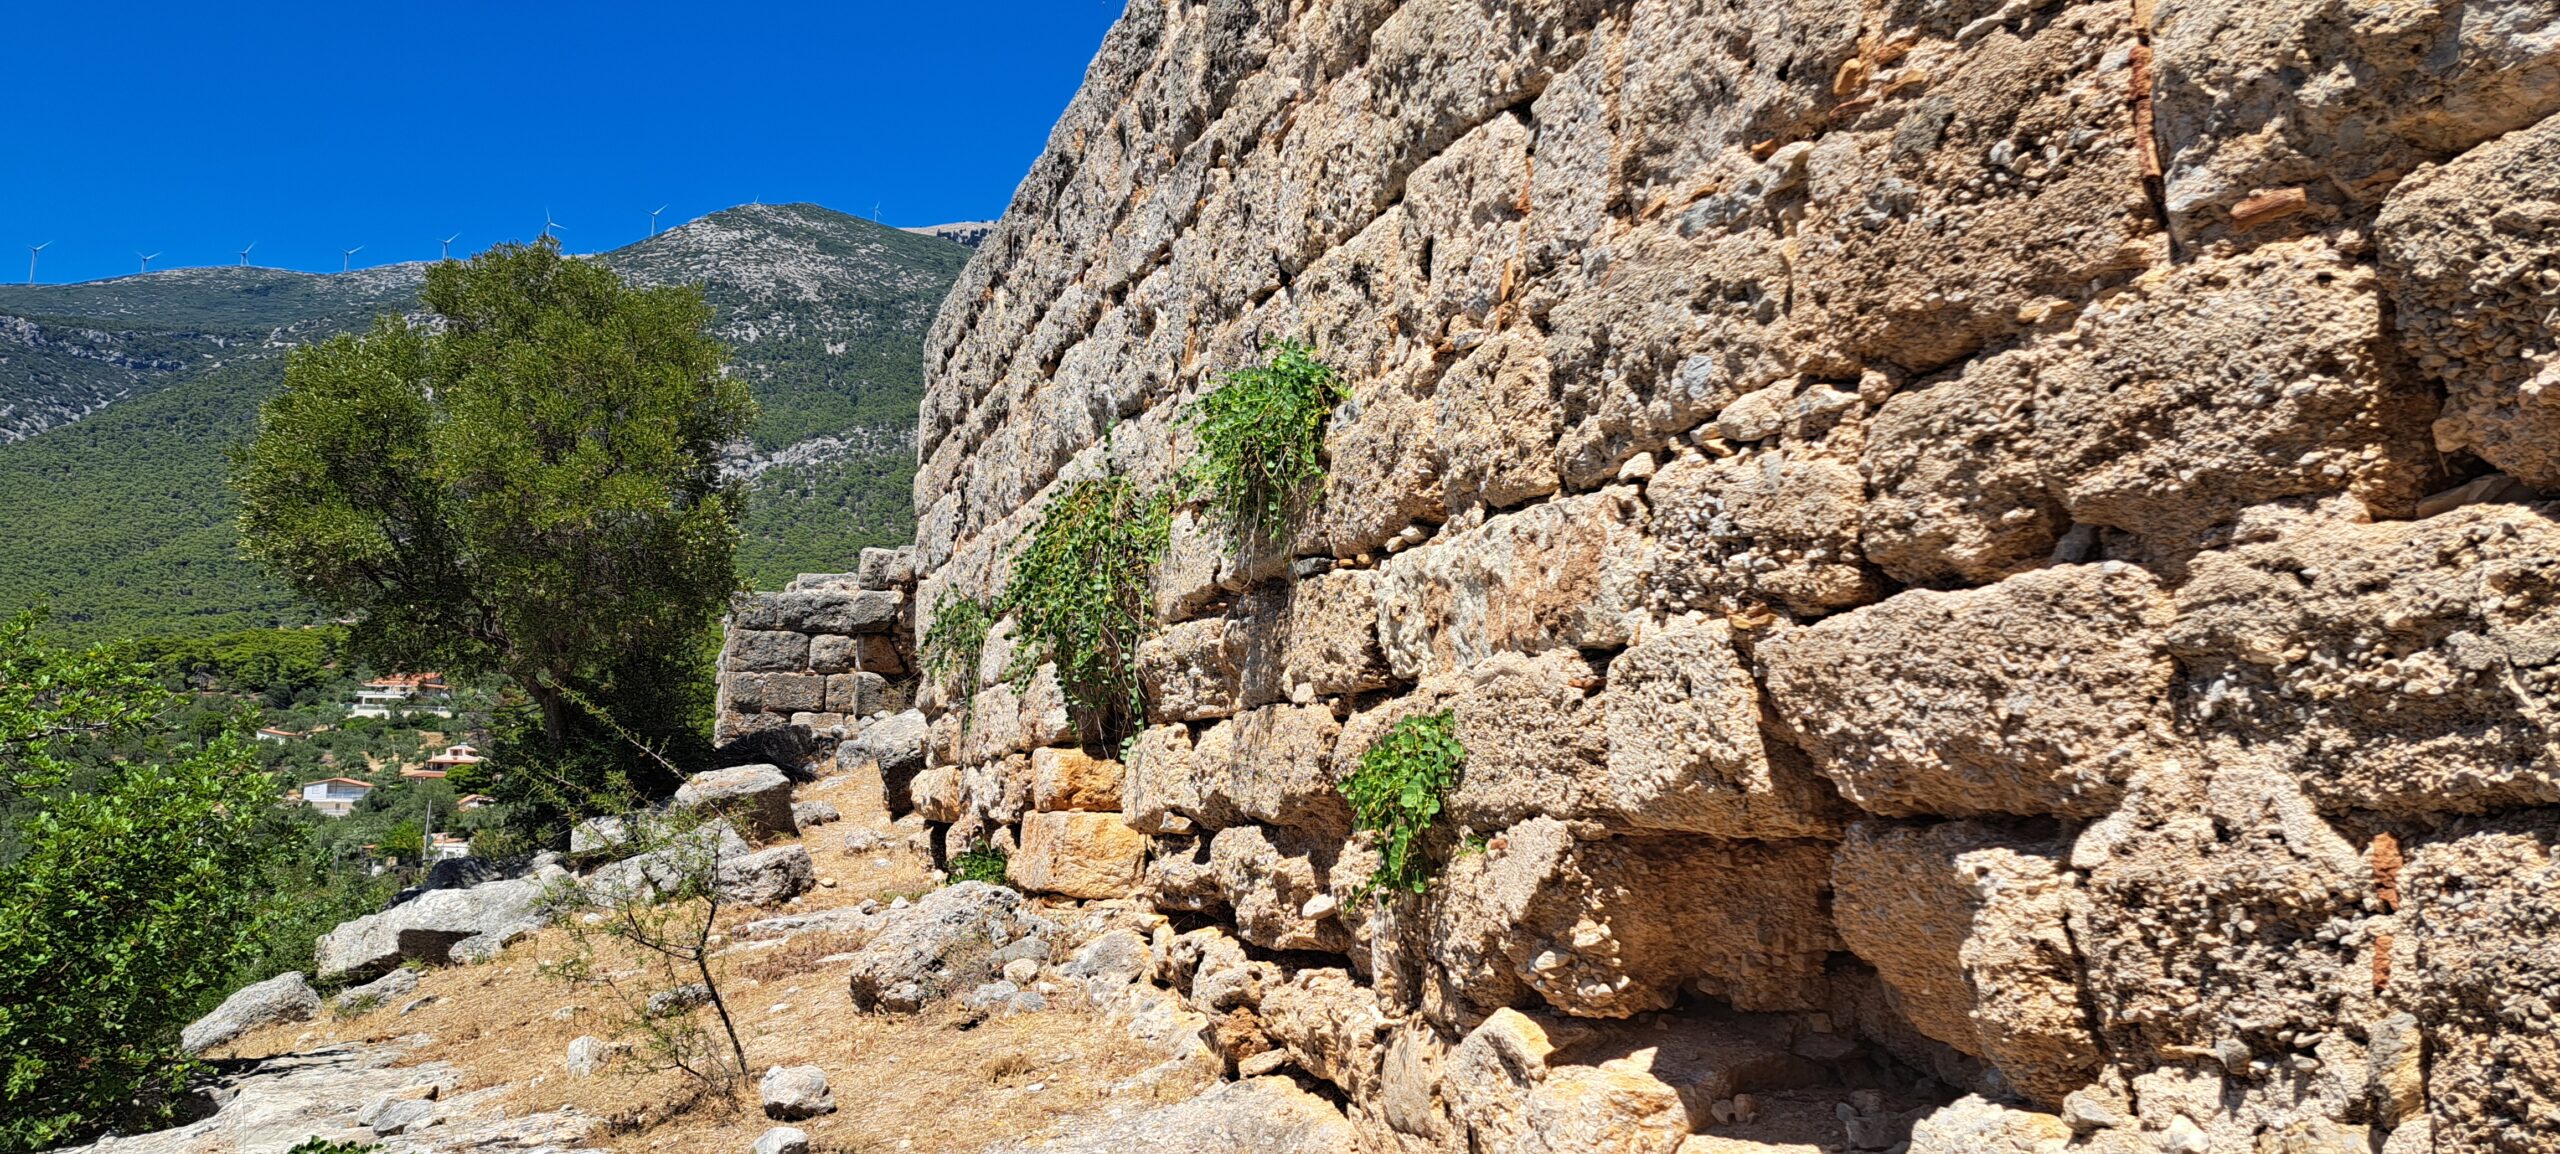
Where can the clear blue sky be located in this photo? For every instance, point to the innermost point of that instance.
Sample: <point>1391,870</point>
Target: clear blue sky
<point>191,129</point>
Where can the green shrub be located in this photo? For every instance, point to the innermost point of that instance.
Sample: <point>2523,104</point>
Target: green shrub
<point>318,1145</point>
<point>958,638</point>
<point>1078,598</point>
<point>1262,441</point>
<point>982,863</point>
<point>1397,794</point>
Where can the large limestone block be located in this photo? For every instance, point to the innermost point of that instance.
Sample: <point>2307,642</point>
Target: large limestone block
<point>1533,1081</point>
<point>2037,695</point>
<point>1078,855</point>
<point>1773,526</point>
<point>1975,1126</point>
<point>1617,927</point>
<point>283,998</point>
<point>2195,392</point>
<point>936,793</point>
<point>758,797</point>
<point>1974,180</point>
<point>1332,1027</point>
<point>2475,968</point>
<point>1158,791</point>
<point>830,610</point>
<point>1384,462</point>
<point>1272,766</point>
<point>1535,742</point>
<point>1967,925</point>
<point>752,650</point>
<point>1564,574</point>
<point>425,928</point>
<point>1008,719</point>
<point>777,692</point>
<point>1279,884</point>
<point>2339,101</point>
<point>868,653</point>
<point>1064,779</point>
<point>943,946</point>
<point>2406,667</point>
<point>1499,420</point>
<point>1316,637</point>
<point>2470,256</point>
<point>768,877</point>
<point>1193,670</point>
<point>1685,750</point>
<point>2221,917</point>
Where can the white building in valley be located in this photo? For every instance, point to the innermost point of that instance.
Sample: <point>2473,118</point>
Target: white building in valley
<point>335,796</point>
<point>411,693</point>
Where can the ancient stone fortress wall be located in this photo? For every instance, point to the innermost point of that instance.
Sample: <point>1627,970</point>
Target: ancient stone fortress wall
<point>820,662</point>
<point>1987,558</point>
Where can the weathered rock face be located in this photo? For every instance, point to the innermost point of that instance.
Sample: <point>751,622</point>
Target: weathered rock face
<point>1966,528</point>
<point>283,998</point>
<point>822,664</point>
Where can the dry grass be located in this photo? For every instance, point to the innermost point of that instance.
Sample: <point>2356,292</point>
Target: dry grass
<point>936,1081</point>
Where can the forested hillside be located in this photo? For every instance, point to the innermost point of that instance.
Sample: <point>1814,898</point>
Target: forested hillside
<point>116,512</point>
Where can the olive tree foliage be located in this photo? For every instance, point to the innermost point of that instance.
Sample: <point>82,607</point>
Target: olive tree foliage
<point>132,883</point>
<point>526,484</point>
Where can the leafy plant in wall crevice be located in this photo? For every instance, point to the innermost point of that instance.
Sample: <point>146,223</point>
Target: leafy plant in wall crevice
<point>1397,793</point>
<point>1078,598</point>
<point>1261,436</point>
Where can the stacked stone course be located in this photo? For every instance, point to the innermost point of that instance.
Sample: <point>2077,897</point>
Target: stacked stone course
<point>1985,557</point>
<point>821,661</point>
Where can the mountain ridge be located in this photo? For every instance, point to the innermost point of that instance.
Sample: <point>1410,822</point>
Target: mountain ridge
<point>119,517</point>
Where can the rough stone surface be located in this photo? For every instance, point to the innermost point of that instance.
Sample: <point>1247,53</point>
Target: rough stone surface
<point>1064,779</point>
<point>426,929</point>
<point>2036,695</point>
<point>943,945</point>
<point>1077,855</point>
<point>283,998</point>
<point>791,1093</point>
<point>757,797</point>
<point>768,877</point>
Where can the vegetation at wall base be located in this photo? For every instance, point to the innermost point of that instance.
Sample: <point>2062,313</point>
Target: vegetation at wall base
<point>1397,793</point>
<point>532,490</point>
<point>1262,441</point>
<point>1078,598</point>
<point>980,863</point>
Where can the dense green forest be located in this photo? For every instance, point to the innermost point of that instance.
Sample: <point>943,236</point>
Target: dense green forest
<point>122,524</point>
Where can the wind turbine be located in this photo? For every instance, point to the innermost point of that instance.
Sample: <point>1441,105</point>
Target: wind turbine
<point>347,257</point>
<point>875,212</point>
<point>448,245</point>
<point>653,219</point>
<point>244,254</point>
<point>549,224</point>
<point>32,250</point>
<point>146,260</point>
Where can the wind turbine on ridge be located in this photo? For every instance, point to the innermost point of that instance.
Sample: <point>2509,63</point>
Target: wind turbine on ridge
<point>347,257</point>
<point>32,251</point>
<point>653,219</point>
<point>448,246</point>
<point>549,224</point>
<point>244,254</point>
<point>146,260</point>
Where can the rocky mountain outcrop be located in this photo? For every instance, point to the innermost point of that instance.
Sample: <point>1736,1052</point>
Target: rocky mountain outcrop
<point>1988,559</point>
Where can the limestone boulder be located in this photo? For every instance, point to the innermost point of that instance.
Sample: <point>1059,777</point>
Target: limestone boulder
<point>2470,252</point>
<point>1077,854</point>
<point>1313,638</point>
<point>1775,526</point>
<point>2473,964</point>
<point>1562,574</point>
<point>376,993</point>
<point>768,877</point>
<point>2404,667</point>
<point>1968,925</point>
<point>2037,695</point>
<point>944,945</point>
<point>755,797</point>
<point>936,793</point>
<point>283,998</point>
<point>1070,779</point>
<point>1621,926</point>
<point>1279,883</point>
<point>1685,747</point>
<point>791,1093</point>
<point>1193,670</point>
<point>1273,765</point>
<point>426,929</point>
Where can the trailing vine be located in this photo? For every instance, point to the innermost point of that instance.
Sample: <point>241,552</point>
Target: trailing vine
<point>956,642</point>
<point>1078,598</point>
<point>1262,441</point>
<point>1398,791</point>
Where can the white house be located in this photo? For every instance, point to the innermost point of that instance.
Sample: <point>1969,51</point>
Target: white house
<point>335,796</point>
<point>447,847</point>
<point>405,693</point>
